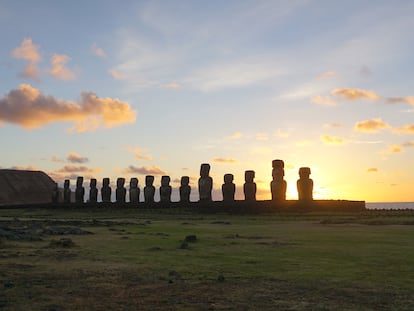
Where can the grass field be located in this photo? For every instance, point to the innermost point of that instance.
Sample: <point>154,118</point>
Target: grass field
<point>126,259</point>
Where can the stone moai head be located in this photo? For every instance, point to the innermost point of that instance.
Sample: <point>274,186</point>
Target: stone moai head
<point>66,183</point>
<point>149,180</point>
<point>228,178</point>
<point>105,182</point>
<point>278,164</point>
<point>79,181</point>
<point>120,182</point>
<point>185,180</point>
<point>133,183</point>
<point>165,181</point>
<point>249,176</point>
<point>92,184</point>
<point>304,172</point>
<point>204,170</point>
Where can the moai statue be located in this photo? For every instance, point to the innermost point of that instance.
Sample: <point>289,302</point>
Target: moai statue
<point>278,184</point>
<point>205,183</point>
<point>106,190</point>
<point>185,189</point>
<point>55,193</point>
<point>80,190</point>
<point>249,186</point>
<point>228,188</point>
<point>305,185</point>
<point>165,189</point>
<point>66,191</point>
<point>93,191</point>
<point>149,189</point>
<point>133,190</point>
<point>120,193</point>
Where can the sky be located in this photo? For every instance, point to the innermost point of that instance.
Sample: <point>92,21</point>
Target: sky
<point>131,88</point>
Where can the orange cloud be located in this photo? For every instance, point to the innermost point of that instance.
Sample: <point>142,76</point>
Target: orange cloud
<point>223,160</point>
<point>138,153</point>
<point>172,85</point>
<point>98,51</point>
<point>371,126</point>
<point>117,75</point>
<point>76,158</point>
<point>144,170</point>
<point>236,135</point>
<point>394,149</point>
<point>406,100</point>
<point>30,109</point>
<point>372,170</point>
<point>59,69</point>
<point>332,125</point>
<point>332,140</point>
<point>56,159</point>
<point>29,52</point>
<point>327,75</point>
<point>409,144</point>
<point>355,94</point>
<point>323,101</point>
<point>406,129</point>
<point>77,169</point>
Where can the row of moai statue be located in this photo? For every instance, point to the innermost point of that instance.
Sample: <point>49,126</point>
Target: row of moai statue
<point>205,186</point>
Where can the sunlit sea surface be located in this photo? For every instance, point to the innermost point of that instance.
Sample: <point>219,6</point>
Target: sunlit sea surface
<point>390,205</point>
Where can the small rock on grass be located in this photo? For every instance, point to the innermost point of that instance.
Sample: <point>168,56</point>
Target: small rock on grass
<point>190,238</point>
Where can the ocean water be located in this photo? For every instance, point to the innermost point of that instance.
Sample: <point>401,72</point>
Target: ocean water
<point>389,205</point>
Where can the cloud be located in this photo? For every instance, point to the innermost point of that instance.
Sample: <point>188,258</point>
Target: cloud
<point>406,129</point>
<point>371,126</point>
<point>393,149</point>
<point>144,170</point>
<point>372,170</point>
<point>76,158</point>
<point>365,71</point>
<point>395,100</point>
<point>56,159</point>
<point>327,75</point>
<point>30,109</point>
<point>25,168</point>
<point>117,75</point>
<point>98,51</point>
<point>355,94</point>
<point>29,52</point>
<point>138,153</point>
<point>323,101</point>
<point>59,69</point>
<point>171,85</point>
<point>224,161</point>
<point>332,125</point>
<point>77,169</point>
<point>332,140</point>
<point>408,144</point>
<point>236,135</point>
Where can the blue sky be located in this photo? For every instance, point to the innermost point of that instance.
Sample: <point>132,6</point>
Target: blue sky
<point>124,89</point>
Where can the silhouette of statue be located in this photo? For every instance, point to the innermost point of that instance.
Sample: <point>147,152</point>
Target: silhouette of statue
<point>249,186</point>
<point>278,185</point>
<point>66,191</point>
<point>149,189</point>
<point>305,185</point>
<point>134,190</point>
<point>93,191</point>
<point>120,193</point>
<point>165,189</point>
<point>205,183</point>
<point>80,190</point>
<point>228,188</point>
<point>55,193</point>
<point>106,190</point>
<point>185,189</point>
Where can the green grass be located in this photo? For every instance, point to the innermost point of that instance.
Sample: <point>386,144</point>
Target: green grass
<point>291,261</point>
